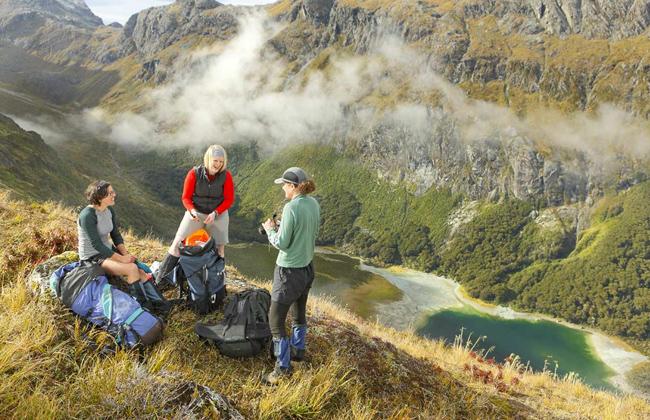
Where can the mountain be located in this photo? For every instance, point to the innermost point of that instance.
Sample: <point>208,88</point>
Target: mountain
<point>517,54</point>
<point>21,18</point>
<point>32,168</point>
<point>504,144</point>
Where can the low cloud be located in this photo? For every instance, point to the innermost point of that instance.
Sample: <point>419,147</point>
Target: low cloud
<point>48,128</point>
<point>240,92</point>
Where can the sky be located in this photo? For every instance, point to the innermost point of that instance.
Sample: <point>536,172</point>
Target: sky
<point>121,10</point>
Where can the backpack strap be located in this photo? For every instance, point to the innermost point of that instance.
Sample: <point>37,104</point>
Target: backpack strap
<point>204,281</point>
<point>107,302</point>
<point>133,316</point>
<point>126,326</point>
<point>144,292</point>
<point>251,313</point>
<point>230,312</point>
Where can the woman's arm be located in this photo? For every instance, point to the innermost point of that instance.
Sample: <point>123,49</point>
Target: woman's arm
<point>281,239</point>
<point>188,190</point>
<point>122,255</point>
<point>115,233</point>
<point>228,194</point>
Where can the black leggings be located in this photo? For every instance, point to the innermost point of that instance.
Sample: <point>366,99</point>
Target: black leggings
<point>278,315</point>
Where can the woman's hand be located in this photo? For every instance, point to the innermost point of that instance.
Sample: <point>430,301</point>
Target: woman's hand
<point>121,249</point>
<point>124,259</point>
<point>269,224</point>
<point>210,219</point>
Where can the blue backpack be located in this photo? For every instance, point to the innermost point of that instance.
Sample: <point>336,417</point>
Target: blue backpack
<point>203,277</point>
<point>84,288</point>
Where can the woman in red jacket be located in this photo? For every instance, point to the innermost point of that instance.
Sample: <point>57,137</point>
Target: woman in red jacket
<point>208,193</point>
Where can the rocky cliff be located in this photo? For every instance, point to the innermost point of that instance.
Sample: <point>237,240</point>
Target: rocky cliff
<point>524,55</point>
<point>520,54</point>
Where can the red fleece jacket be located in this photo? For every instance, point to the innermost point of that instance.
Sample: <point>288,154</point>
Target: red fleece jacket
<point>228,191</point>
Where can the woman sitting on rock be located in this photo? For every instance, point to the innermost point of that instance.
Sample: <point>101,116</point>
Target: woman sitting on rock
<point>95,225</point>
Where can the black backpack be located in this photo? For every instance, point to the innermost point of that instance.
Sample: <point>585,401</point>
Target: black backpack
<point>245,330</point>
<point>203,277</point>
<point>151,298</point>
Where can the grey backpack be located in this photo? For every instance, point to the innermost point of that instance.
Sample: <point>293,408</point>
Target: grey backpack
<point>203,279</point>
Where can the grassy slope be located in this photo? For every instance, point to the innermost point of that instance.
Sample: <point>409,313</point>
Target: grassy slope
<point>148,184</point>
<point>32,168</point>
<point>144,181</point>
<point>64,85</point>
<point>49,370</point>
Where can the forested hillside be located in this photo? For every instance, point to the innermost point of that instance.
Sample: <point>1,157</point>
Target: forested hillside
<point>507,252</point>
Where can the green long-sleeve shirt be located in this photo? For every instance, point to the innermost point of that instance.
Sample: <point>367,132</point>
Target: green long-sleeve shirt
<point>296,237</point>
<point>94,229</point>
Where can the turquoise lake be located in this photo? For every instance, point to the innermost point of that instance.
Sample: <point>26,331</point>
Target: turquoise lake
<point>373,296</point>
<point>536,342</point>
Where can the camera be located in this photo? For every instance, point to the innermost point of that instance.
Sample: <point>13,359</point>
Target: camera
<point>261,230</point>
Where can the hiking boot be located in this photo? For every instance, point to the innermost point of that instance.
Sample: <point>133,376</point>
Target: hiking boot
<point>165,270</point>
<point>277,374</point>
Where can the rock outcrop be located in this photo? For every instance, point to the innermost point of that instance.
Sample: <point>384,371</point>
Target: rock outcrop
<point>154,29</point>
<point>505,165</point>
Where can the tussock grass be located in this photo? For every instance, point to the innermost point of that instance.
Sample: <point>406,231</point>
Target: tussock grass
<point>310,392</point>
<point>51,365</point>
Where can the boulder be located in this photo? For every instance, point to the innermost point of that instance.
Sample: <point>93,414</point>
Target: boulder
<point>39,279</point>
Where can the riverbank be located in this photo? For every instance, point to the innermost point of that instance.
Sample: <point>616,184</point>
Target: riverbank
<point>427,293</point>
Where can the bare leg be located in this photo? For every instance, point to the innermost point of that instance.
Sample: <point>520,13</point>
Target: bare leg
<point>115,268</point>
<point>221,250</point>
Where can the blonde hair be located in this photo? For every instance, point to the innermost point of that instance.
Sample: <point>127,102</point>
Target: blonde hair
<point>306,187</point>
<point>207,157</point>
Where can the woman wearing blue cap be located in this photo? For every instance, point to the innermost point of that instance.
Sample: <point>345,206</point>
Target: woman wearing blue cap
<point>294,270</point>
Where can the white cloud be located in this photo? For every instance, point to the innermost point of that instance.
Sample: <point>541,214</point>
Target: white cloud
<point>239,92</point>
